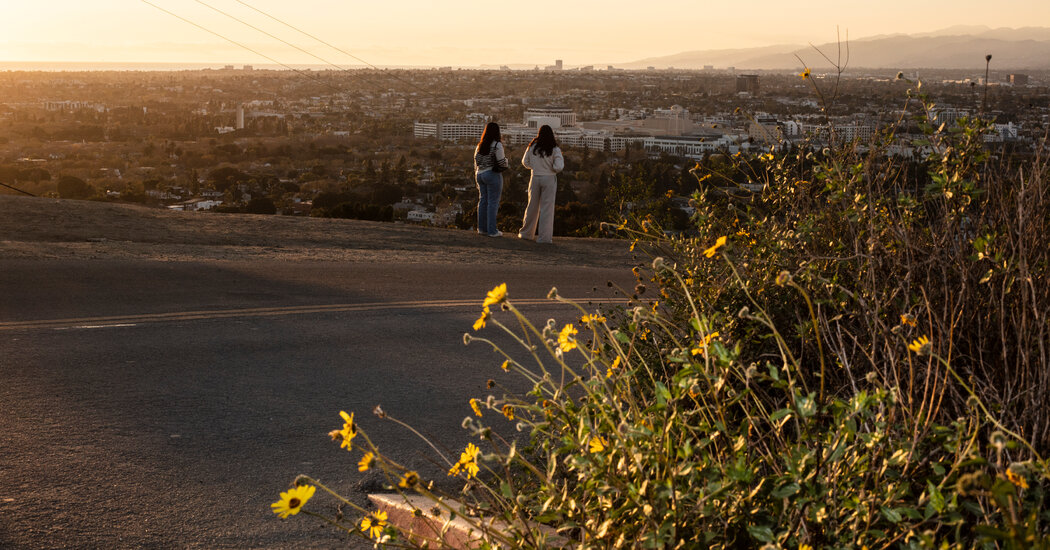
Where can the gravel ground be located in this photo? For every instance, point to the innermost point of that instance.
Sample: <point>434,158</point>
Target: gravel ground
<point>38,228</point>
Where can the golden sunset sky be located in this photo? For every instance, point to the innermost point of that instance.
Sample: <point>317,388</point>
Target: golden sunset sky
<point>464,33</point>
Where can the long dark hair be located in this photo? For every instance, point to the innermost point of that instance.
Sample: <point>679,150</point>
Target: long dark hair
<point>543,144</point>
<point>490,135</point>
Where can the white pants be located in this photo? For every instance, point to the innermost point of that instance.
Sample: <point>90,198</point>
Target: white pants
<point>539,214</point>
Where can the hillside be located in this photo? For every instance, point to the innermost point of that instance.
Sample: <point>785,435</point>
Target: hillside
<point>953,48</point>
<point>40,229</point>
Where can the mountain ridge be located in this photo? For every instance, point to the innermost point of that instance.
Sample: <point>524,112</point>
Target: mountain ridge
<point>960,47</point>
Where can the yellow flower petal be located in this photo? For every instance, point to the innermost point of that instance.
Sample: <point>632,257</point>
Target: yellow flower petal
<point>496,295</point>
<point>293,500</point>
<point>710,252</point>
<point>566,340</point>
<point>409,480</point>
<point>480,323</point>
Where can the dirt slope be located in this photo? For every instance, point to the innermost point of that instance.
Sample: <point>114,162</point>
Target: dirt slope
<point>39,228</point>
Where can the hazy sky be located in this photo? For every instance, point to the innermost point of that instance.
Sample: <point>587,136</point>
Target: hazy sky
<point>466,33</point>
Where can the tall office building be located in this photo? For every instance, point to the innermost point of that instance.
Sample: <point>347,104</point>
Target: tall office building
<point>747,83</point>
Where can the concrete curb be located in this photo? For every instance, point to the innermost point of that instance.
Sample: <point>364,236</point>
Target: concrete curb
<point>419,519</point>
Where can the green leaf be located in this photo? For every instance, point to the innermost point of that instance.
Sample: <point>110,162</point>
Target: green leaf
<point>780,414</point>
<point>786,490</point>
<point>891,515</point>
<point>761,533</point>
<point>936,498</point>
<point>663,395</point>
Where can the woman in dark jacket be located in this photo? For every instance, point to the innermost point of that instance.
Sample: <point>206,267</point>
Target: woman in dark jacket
<point>487,156</point>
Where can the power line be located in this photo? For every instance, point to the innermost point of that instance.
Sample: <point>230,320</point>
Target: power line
<point>17,189</point>
<point>245,23</point>
<point>334,47</point>
<point>232,41</point>
<point>293,27</point>
<point>311,54</point>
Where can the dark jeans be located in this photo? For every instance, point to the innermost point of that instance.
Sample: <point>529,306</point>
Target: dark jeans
<point>490,188</point>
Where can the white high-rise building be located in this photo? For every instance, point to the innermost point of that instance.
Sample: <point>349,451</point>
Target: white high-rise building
<point>536,117</point>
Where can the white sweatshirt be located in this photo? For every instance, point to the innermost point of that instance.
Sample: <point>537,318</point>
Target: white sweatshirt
<point>544,166</point>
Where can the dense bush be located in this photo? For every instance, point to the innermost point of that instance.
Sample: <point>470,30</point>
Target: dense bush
<point>854,357</point>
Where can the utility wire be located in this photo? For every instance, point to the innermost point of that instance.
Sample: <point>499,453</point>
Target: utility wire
<point>334,47</point>
<point>232,41</point>
<point>17,189</point>
<point>290,26</point>
<point>283,41</point>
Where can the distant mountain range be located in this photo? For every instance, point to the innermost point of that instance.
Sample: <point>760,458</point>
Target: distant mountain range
<point>959,47</point>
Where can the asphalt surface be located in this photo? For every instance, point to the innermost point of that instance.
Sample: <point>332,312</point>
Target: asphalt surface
<point>166,404</point>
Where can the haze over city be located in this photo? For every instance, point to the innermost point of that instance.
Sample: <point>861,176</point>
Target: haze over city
<point>423,33</point>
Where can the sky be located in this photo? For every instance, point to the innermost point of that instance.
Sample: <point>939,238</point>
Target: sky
<point>461,32</point>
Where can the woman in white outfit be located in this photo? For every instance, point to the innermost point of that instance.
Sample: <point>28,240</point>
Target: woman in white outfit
<point>543,157</point>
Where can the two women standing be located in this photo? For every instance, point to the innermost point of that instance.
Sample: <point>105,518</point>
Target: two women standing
<point>543,157</point>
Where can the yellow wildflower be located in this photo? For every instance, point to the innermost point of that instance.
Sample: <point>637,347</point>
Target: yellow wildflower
<point>710,252</point>
<point>349,431</point>
<point>566,340</point>
<point>508,411</point>
<point>701,348</point>
<point>805,546</point>
<point>921,346</point>
<point>909,319</point>
<point>409,480</point>
<point>805,76</point>
<point>496,295</point>
<point>293,500</point>
<point>634,243</point>
<point>615,365</point>
<point>480,323</point>
<point>365,463</point>
<point>468,461</point>
<point>474,405</point>
<point>1017,479</point>
<point>597,444</point>
<point>373,524</point>
<point>587,319</point>
<point>670,193</point>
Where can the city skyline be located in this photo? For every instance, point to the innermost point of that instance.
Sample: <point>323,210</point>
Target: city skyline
<point>416,33</point>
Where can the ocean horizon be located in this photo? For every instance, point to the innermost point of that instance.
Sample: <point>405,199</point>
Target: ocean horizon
<point>76,66</point>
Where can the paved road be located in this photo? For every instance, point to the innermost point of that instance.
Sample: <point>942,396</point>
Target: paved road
<point>165,405</point>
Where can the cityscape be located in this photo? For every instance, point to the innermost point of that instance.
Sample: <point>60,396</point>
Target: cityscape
<point>323,274</point>
<point>395,145</point>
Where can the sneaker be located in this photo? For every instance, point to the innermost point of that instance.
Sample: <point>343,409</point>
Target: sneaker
<point>496,234</point>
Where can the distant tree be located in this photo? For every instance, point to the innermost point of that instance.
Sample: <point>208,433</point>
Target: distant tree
<point>260,205</point>
<point>226,177</point>
<point>327,199</point>
<point>72,187</point>
<point>34,174</point>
